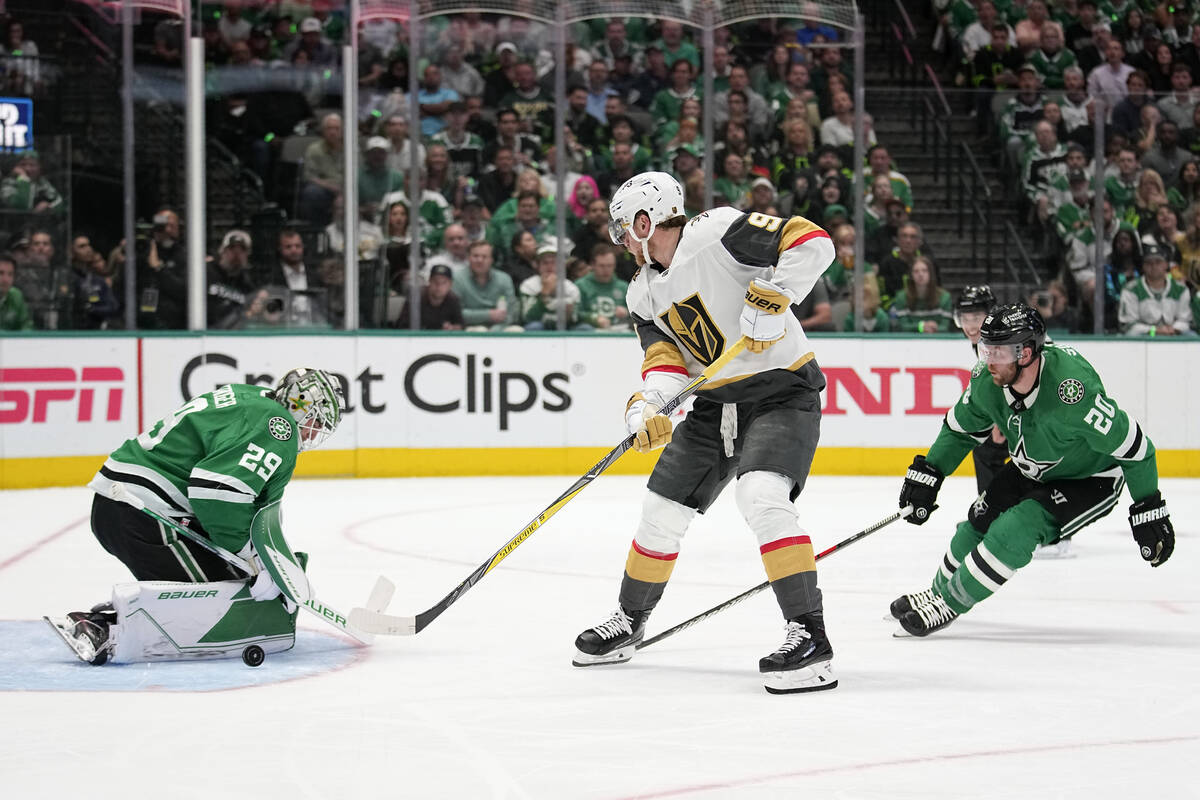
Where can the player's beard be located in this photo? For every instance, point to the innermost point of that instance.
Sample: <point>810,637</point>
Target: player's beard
<point>638,258</point>
<point>1003,374</point>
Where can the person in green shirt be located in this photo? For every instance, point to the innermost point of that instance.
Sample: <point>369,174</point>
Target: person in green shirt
<point>922,306</point>
<point>489,301</point>
<point>1072,450</point>
<point>14,313</point>
<point>601,293</point>
<point>376,179</point>
<point>26,189</point>
<point>734,185</point>
<point>667,103</point>
<point>675,48</point>
<point>875,319</point>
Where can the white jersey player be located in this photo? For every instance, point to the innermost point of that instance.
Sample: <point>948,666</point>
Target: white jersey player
<point>703,283</point>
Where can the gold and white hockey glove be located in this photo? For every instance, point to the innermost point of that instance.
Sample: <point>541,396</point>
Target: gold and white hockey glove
<point>764,319</point>
<point>651,429</point>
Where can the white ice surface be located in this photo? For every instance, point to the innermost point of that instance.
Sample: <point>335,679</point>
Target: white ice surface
<point>1080,679</point>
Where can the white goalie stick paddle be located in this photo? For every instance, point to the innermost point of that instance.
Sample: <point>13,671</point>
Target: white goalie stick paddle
<point>389,625</point>
<point>377,601</point>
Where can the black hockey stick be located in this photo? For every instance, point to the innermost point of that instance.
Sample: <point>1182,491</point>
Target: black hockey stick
<point>375,622</point>
<point>733,601</point>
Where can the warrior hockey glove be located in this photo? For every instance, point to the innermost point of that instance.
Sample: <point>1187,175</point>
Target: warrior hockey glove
<point>1152,529</point>
<point>921,485</point>
<point>764,319</point>
<point>651,429</point>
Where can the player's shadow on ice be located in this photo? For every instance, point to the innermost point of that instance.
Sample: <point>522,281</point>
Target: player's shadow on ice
<point>983,631</point>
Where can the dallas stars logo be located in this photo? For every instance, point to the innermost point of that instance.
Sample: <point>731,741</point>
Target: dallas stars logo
<point>1030,467</point>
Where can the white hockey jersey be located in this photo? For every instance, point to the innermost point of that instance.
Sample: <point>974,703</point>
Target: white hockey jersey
<point>687,314</point>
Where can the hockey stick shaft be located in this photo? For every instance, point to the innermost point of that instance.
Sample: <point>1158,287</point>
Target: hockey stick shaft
<point>407,626</point>
<point>733,601</point>
<point>327,613</point>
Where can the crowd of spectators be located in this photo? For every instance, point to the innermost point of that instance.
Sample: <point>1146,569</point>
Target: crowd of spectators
<point>485,211</point>
<point>483,216</point>
<point>1046,75</point>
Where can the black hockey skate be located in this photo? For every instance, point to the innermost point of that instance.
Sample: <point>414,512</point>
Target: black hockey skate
<point>804,662</point>
<point>925,619</point>
<point>910,602</point>
<point>613,641</point>
<point>86,632</point>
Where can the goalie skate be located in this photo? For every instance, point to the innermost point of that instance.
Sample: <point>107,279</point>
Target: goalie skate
<point>86,633</point>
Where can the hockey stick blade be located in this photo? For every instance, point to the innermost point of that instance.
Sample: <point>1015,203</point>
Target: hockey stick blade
<point>376,622</point>
<point>733,601</point>
<point>385,624</point>
<point>381,595</point>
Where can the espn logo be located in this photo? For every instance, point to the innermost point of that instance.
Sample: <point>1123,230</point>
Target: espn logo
<point>41,386</point>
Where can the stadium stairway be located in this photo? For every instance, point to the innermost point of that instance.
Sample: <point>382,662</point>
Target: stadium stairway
<point>948,192</point>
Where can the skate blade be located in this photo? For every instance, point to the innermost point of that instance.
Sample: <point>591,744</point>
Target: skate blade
<point>813,678</point>
<point>619,656</point>
<point>900,633</point>
<point>82,648</point>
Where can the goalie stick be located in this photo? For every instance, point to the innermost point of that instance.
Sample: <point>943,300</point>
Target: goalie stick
<point>376,622</point>
<point>733,601</point>
<point>380,596</point>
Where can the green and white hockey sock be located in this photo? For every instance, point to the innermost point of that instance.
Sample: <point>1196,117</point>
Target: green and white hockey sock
<point>965,538</point>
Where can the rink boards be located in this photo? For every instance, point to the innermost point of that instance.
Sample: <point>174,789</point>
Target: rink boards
<point>429,405</point>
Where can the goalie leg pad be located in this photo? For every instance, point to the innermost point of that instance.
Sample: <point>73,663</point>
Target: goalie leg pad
<point>159,620</point>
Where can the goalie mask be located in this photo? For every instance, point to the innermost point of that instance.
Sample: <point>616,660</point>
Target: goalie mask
<point>313,398</point>
<point>656,194</point>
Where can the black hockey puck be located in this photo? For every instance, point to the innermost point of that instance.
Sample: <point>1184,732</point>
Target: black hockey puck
<point>253,656</point>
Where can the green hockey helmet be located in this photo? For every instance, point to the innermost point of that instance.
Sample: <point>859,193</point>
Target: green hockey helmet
<point>314,399</point>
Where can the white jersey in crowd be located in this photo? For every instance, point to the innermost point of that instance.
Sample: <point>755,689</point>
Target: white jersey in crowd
<point>688,314</point>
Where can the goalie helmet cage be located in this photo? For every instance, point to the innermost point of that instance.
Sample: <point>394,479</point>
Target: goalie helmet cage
<point>703,15</point>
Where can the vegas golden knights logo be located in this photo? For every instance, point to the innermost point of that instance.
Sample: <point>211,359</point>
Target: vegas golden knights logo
<point>694,326</point>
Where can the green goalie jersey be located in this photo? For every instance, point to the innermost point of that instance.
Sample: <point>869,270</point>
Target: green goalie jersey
<point>217,460</point>
<point>1067,428</point>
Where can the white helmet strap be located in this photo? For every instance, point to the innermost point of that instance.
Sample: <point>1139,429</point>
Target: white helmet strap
<point>645,243</point>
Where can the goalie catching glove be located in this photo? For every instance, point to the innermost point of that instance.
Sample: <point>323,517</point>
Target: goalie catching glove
<point>651,430</point>
<point>764,319</point>
<point>1152,529</point>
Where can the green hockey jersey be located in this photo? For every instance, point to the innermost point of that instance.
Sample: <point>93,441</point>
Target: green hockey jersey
<point>1067,428</point>
<point>217,460</point>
